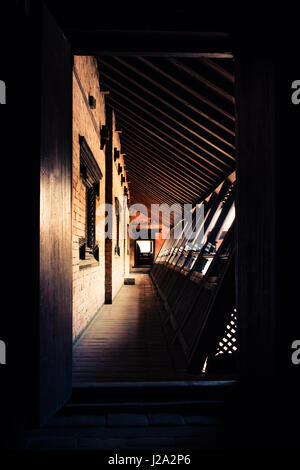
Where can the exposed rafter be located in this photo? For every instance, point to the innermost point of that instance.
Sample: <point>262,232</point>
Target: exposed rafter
<point>177,121</point>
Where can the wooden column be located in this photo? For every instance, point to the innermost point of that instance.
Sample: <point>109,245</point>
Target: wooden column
<point>55,328</point>
<point>255,206</point>
<point>267,240</point>
<point>109,200</point>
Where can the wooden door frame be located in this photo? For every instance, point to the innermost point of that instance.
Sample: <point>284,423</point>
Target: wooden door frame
<point>261,158</point>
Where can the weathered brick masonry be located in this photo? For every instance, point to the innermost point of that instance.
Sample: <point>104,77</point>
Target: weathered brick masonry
<point>120,265</point>
<point>116,251</point>
<point>95,282</point>
<point>88,284</point>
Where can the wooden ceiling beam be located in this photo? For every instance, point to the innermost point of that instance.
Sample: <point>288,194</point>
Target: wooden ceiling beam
<point>188,89</point>
<point>178,142</point>
<point>156,193</point>
<point>196,174</point>
<point>134,167</point>
<point>116,105</point>
<point>217,68</point>
<point>219,91</point>
<point>164,123</point>
<point>163,180</point>
<point>169,105</point>
<point>177,97</point>
<point>168,177</point>
<point>174,177</point>
<point>156,185</point>
<point>156,200</point>
<point>167,136</point>
<point>142,197</point>
<point>159,163</point>
<point>153,150</point>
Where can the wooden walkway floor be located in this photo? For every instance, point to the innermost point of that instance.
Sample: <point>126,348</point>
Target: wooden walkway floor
<point>126,341</point>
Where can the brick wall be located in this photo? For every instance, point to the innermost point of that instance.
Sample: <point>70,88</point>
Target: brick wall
<point>120,262</point>
<point>117,266</point>
<point>97,282</point>
<point>88,283</point>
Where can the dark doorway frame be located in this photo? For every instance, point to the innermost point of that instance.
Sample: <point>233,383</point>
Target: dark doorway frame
<point>266,329</point>
<point>255,164</point>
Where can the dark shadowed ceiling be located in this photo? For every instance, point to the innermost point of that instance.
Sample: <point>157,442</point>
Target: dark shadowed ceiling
<point>177,117</point>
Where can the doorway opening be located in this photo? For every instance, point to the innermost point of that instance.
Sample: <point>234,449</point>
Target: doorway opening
<point>167,140</point>
<point>162,125</point>
<point>144,253</point>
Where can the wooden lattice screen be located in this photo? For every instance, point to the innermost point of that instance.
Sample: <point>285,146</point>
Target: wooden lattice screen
<point>228,343</point>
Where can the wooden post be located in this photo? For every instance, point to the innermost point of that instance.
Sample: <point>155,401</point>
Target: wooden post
<point>109,200</point>
<point>55,325</point>
<point>255,216</point>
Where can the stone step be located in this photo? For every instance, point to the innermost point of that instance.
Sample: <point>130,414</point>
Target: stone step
<point>153,392</point>
<point>122,420</point>
<point>198,398</point>
<point>200,407</point>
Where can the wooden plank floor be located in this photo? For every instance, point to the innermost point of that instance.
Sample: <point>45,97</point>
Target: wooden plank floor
<point>126,341</point>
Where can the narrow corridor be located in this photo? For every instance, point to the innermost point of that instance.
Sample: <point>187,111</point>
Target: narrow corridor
<point>157,135</point>
<point>126,341</point>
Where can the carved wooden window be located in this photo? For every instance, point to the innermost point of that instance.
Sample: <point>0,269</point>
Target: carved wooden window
<point>91,175</point>
<point>90,217</point>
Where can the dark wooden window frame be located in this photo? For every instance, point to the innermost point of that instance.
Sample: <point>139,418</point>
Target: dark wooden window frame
<point>91,176</point>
